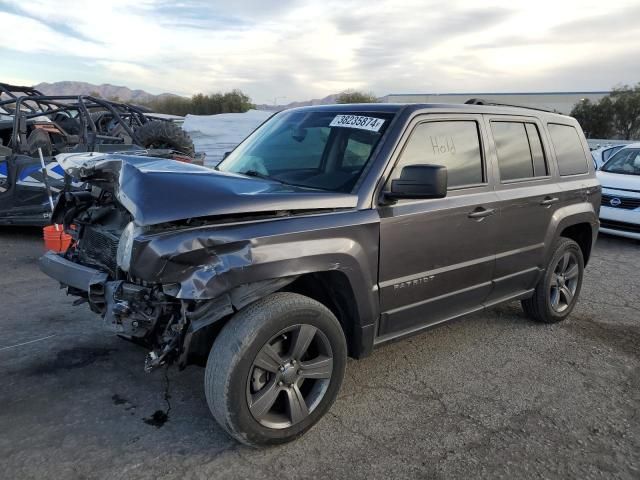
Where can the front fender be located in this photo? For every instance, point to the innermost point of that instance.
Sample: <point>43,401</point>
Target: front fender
<point>204,263</point>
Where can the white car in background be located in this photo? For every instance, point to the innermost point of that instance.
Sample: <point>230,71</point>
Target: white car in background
<point>620,179</point>
<point>602,154</point>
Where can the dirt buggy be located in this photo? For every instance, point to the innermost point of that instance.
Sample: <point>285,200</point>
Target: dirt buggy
<point>31,122</point>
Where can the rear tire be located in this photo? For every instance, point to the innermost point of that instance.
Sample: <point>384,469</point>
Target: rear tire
<point>275,369</point>
<point>160,134</point>
<point>557,291</point>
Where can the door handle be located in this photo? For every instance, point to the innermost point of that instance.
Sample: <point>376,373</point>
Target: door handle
<point>481,212</point>
<point>547,201</point>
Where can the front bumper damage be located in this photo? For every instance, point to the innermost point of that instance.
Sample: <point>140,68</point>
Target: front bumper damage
<point>134,312</point>
<point>146,314</point>
<point>70,273</point>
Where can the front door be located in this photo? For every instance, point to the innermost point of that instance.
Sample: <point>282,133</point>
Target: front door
<point>437,256</point>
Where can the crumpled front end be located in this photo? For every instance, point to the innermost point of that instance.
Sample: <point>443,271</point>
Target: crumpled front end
<point>163,251</point>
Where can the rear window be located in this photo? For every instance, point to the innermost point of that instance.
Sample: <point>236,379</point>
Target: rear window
<point>569,152</point>
<point>519,150</point>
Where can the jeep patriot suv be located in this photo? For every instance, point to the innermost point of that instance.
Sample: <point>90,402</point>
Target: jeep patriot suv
<point>329,231</point>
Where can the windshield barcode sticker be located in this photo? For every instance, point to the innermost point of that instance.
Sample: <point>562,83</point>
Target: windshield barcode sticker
<point>357,121</point>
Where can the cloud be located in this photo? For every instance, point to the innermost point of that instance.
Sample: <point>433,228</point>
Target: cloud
<point>304,48</point>
<point>60,27</point>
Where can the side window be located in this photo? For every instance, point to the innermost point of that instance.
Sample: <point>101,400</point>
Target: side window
<point>454,144</point>
<point>569,152</point>
<point>537,153</point>
<point>519,150</point>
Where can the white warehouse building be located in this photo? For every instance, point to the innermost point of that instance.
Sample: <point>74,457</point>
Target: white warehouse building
<point>562,102</point>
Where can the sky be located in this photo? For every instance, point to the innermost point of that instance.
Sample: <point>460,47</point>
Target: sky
<point>279,51</point>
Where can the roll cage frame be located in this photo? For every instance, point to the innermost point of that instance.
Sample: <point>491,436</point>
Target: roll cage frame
<point>26,103</point>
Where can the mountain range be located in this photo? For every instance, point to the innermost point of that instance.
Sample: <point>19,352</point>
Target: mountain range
<point>105,90</point>
<point>328,100</point>
<point>128,95</point>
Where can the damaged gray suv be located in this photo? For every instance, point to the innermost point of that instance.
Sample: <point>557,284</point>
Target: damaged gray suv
<point>327,232</point>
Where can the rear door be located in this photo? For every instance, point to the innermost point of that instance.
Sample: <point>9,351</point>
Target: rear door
<point>437,255</point>
<point>528,197</point>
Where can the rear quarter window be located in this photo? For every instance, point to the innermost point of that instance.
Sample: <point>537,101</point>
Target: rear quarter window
<point>569,151</point>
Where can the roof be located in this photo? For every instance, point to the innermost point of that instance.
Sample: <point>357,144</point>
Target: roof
<point>412,107</point>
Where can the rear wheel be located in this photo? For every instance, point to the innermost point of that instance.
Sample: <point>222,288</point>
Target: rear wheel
<point>275,369</point>
<point>557,292</point>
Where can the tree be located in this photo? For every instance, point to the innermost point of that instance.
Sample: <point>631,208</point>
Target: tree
<point>615,116</point>
<point>234,101</point>
<point>596,119</point>
<point>626,107</point>
<point>354,96</point>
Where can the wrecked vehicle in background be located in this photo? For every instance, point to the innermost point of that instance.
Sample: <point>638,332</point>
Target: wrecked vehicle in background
<point>30,121</point>
<point>9,94</point>
<point>328,231</point>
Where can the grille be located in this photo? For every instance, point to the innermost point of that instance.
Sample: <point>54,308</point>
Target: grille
<point>624,226</point>
<point>625,202</point>
<point>99,247</point>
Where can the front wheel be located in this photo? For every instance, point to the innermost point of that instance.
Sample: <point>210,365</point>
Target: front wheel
<point>557,292</point>
<point>275,369</point>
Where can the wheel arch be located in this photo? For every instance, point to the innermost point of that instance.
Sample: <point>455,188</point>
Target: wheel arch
<point>333,289</point>
<point>582,234</point>
<point>578,222</point>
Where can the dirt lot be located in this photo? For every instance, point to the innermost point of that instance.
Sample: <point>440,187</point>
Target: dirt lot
<point>492,395</point>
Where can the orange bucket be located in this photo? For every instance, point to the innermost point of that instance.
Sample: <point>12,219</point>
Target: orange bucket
<point>56,240</point>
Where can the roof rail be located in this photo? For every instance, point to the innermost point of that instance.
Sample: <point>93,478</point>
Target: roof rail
<point>479,101</point>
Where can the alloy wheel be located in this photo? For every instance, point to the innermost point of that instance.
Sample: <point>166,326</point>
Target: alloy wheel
<point>564,282</point>
<point>289,376</point>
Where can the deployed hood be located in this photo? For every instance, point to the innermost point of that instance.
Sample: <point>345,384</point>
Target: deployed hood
<point>156,190</point>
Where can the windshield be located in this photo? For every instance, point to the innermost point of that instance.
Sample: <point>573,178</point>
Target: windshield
<point>626,161</point>
<point>324,150</point>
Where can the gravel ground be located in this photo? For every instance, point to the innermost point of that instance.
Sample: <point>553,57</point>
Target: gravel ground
<point>491,396</point>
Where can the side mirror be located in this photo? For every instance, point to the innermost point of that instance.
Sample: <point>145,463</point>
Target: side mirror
<point>420,181</point>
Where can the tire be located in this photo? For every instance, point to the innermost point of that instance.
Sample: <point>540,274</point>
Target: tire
<point>234,379</point>
<point>549,302</point>
<point>161,134</point>
<point>39,139</point>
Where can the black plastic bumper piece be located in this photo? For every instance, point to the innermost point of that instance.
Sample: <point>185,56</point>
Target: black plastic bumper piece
<point>70,273</point>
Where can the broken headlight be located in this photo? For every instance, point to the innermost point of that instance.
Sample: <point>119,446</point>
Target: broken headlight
<point>123,256</point>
